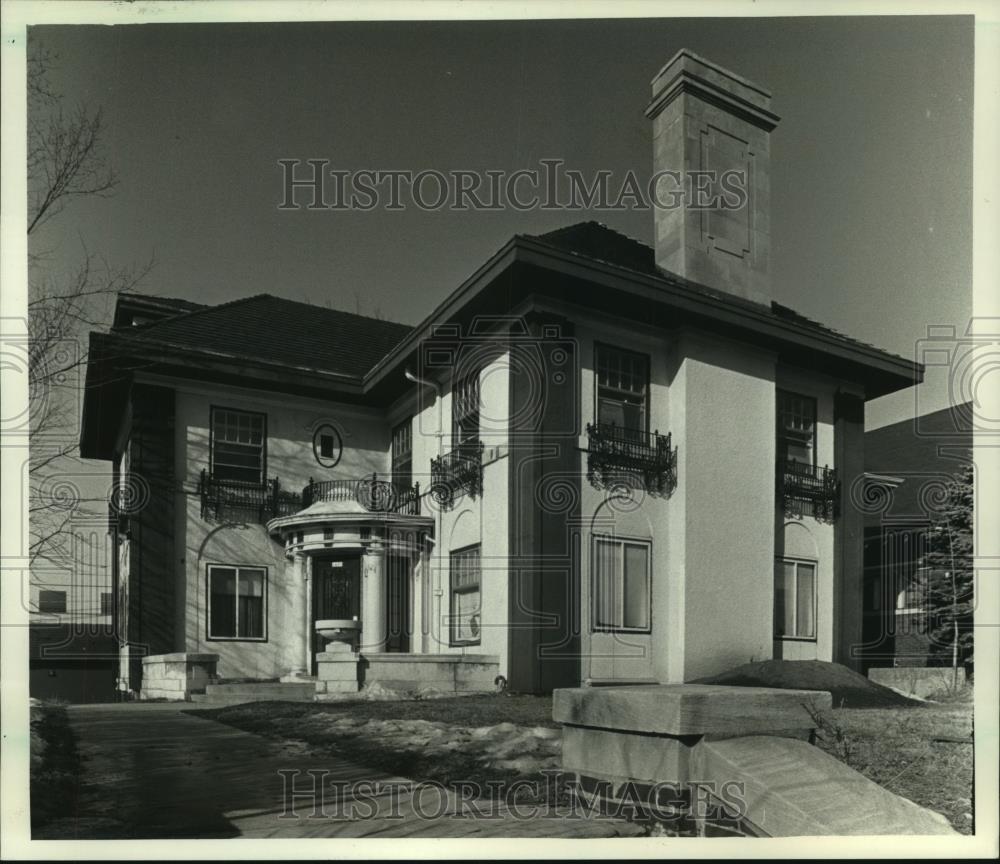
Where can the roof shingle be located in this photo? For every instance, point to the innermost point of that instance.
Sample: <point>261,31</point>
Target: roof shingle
<point>277,330</point>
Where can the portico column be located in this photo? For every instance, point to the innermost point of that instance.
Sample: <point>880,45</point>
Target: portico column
<point>298,595</point>
<point>307,624</point>
<point>373,599</point>
<point>300,607</point>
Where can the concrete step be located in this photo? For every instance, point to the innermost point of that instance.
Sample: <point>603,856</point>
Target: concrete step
<point>263,691</point>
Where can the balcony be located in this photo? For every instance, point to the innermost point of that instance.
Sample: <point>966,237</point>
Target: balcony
<point>232,500</point>
<point>457,471</point>
<point>617,454</point>
<point>808,490</point>
<point>376,496</point>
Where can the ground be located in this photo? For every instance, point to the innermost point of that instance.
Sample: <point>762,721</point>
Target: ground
<point>437,740</point>
<point>174,770</point>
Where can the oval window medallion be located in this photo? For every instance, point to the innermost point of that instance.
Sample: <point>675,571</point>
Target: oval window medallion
<point>327,445</point>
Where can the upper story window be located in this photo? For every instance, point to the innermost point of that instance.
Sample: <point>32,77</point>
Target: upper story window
<point>465,411</point>
<point>796,428</point>
<point>622,388</point>
<point>239,445</point>
<point>402,453</point>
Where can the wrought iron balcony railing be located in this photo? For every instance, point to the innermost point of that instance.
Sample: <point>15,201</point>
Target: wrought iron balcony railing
<point>808,490</point>
<point>232,500</point>
<point>377,496</point>
<point>618,453</point>
<point>457,471</point>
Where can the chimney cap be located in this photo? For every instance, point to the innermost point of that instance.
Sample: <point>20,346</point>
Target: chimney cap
<point>687,72</point>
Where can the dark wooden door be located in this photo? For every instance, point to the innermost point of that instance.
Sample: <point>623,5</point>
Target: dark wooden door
<point>337,585</point>
<point>398,604</point>
<point>336,593</point>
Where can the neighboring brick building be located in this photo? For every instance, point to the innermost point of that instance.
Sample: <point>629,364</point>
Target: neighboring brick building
<point>908,464</point>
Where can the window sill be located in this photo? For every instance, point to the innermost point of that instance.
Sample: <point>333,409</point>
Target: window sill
<point>236,639</point>
<point>632,631</point>
<point>794,638</point>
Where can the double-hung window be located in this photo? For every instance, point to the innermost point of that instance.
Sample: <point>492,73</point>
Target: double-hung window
<point>795,599</point>
<point>620,584</point>
<point>237,602</point>
<point>402,454</point>
<point>239,445</point>
<point>466,596</point>
<point>796,428</point>
<point>465,412</point>
<point>622,389</point>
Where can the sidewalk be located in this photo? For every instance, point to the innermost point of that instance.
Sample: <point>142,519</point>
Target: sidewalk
<point>152,771</point>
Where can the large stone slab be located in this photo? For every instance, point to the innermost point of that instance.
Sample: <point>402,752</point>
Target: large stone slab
<point>689,709</point>
<point>793,789</point>
<point>449,673</point>
<point>177,675</point>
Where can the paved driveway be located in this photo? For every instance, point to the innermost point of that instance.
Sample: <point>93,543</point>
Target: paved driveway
<point>150,770</point>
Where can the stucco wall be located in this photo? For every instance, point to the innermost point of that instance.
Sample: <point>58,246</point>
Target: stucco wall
<point>791,533</point>
<point>290,427</point>
<point>723,410</point>
<point>626,656</point>
<point>481,519</point>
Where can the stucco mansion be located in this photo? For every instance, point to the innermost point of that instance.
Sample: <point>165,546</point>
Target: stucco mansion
<point>594,462</point>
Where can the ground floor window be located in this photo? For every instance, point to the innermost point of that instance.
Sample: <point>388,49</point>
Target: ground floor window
<point>620,584</point>
<point>237,602</point>
<point>466,596</point>
<point>795,599</point>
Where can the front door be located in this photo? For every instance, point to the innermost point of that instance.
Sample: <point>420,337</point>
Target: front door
<point>397,634</point>
<point>336,590</point>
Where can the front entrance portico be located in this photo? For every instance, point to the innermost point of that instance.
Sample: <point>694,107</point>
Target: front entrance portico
<point>339,553</point>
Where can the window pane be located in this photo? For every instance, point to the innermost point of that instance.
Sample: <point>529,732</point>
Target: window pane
<point>466,593</point>
<point>606,579</point>
<point>636,589</point>
<point>222,620</point>
<point>466,621</point>
<point>610,411</point>
<point>805,599</point>
<point>237,446</point>
<point>251,611</point>
<point>784,600</point>
<point>52,601</point>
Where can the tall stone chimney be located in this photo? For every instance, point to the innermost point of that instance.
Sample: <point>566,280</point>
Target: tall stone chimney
<point>707,119</point>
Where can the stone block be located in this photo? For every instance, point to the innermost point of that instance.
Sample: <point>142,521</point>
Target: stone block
<point>688,709</point>
<point>624,756</point>
<point>793,789</point>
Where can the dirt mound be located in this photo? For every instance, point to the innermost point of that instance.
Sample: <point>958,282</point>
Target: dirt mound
<point>848,688</point>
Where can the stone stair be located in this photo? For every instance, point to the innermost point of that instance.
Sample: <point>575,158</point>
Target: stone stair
<point>256,691</point>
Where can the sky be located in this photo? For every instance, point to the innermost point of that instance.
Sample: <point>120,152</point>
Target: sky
<point>871,164</point>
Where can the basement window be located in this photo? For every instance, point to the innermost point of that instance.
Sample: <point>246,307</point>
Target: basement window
<point>795,599</point>
<point>237,603</point>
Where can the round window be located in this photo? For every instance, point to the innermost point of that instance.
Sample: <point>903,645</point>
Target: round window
<point>327,445</point>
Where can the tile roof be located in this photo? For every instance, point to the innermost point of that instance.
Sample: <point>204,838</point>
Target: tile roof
<point>277,330</point>
<point>596,241</point>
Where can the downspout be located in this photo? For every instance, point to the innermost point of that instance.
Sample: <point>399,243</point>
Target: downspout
<point>425,626</point>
